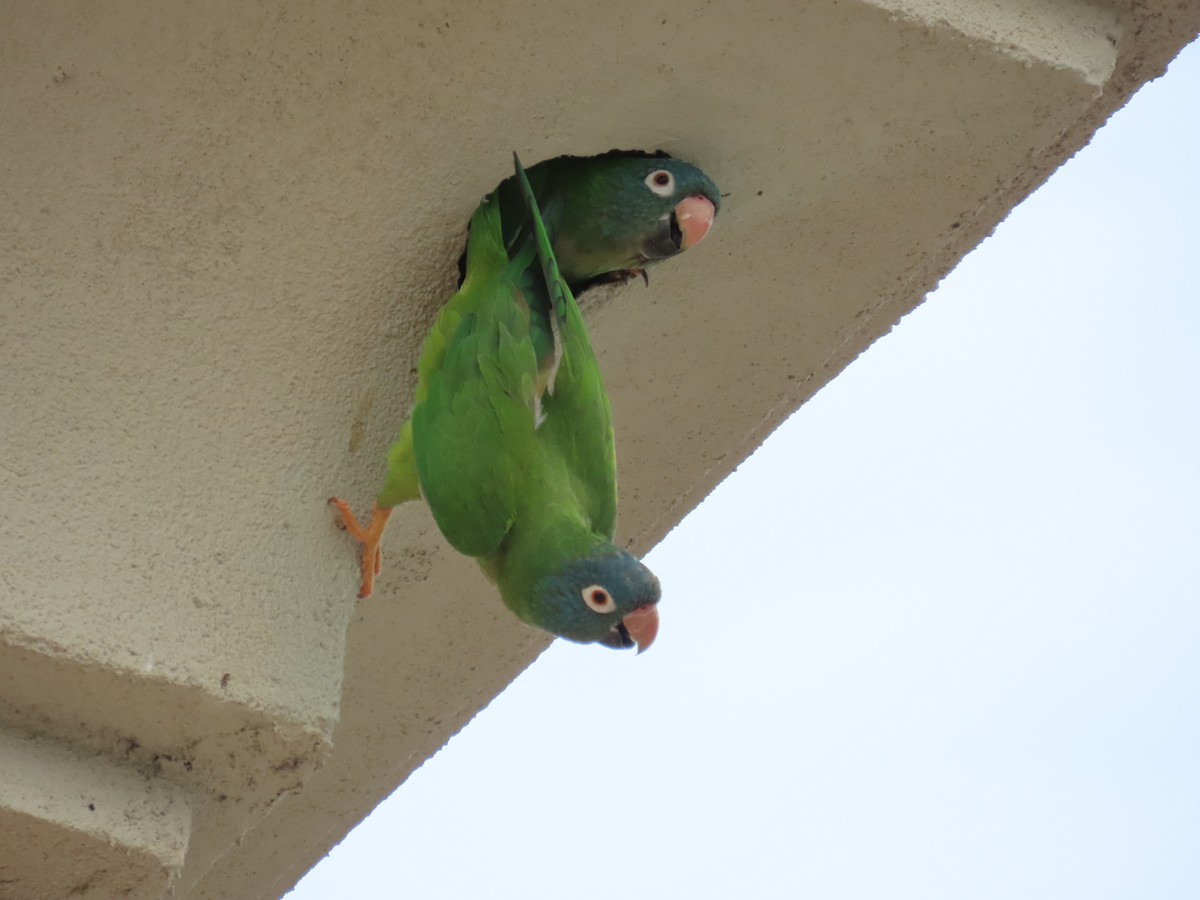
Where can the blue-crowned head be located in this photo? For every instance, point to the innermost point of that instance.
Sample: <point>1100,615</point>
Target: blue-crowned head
<point>607,597</point>
<point>628,210</point>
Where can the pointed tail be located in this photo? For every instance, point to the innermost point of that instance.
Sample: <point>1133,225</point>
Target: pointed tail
<point>556,287</point>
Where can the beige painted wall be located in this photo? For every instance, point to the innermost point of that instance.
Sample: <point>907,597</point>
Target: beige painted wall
<point>226,228</point>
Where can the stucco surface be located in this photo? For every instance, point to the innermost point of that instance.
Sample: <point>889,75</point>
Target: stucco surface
<point>227,228</point>
<point>64,815</point>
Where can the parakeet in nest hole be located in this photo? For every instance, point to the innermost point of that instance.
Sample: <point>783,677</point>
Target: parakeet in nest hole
<point>510,440</point>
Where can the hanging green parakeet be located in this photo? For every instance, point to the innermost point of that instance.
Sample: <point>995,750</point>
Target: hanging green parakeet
<point>511,440</point>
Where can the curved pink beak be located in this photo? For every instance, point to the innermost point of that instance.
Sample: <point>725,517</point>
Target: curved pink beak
<point>695,216</point>
<point>642,625</point>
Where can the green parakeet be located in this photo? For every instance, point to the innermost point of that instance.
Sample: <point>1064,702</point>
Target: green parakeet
<point>610,216</point>
<point>511,440</point>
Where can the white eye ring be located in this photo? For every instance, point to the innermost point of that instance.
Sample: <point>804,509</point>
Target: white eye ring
<point>598,599</point>
<point>661,182</point>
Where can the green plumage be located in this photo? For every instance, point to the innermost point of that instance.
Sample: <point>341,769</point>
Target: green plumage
<point>511,440</point>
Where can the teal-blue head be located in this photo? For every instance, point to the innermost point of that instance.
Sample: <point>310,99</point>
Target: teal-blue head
<point>607,597</point>
<point>610,216</point>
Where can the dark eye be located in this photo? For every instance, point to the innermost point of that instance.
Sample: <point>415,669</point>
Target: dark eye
<point>661,182</point>
<point>598,599</point>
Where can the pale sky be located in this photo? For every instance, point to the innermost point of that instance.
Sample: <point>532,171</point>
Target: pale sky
<point>938,638</point>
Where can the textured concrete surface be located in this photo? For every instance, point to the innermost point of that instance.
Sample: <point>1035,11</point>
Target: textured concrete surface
<point>227,228</point>
<point>65,817</point>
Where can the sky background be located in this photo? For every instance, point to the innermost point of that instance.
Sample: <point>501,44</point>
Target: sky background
<point>938,638</point>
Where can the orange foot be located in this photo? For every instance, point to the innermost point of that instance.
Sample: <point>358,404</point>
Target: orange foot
<point>369,537</point>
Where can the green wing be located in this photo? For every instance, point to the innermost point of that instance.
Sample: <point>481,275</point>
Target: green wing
<point>577,422</point>
<point>473,422</point>
<point>511,412</point>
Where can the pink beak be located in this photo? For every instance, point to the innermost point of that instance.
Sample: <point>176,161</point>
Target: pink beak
<point>695,216</point>
<point>642,625</point>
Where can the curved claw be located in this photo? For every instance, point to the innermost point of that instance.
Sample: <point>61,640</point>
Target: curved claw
<point>618,276</point>
<point>370,537</point>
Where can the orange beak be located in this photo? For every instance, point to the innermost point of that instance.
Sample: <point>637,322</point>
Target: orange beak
<point>642,625</point>
<point>695,216</point>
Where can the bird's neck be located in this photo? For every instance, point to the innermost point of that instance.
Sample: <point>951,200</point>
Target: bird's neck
<point>537,548</point>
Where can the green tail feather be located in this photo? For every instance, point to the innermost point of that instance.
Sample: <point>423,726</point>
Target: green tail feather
<point>554,280</point>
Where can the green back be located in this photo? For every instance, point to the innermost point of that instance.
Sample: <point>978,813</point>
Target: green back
<point>511,419</point>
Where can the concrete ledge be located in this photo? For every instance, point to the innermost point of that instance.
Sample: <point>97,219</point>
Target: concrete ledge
<point>228,227</point>
<point>1076,35</point>
<point>106,830</point>
<point>222,748</point>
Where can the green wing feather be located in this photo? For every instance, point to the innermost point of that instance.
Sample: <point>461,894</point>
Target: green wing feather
<point>473,422</point>
<point>578,417</point>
